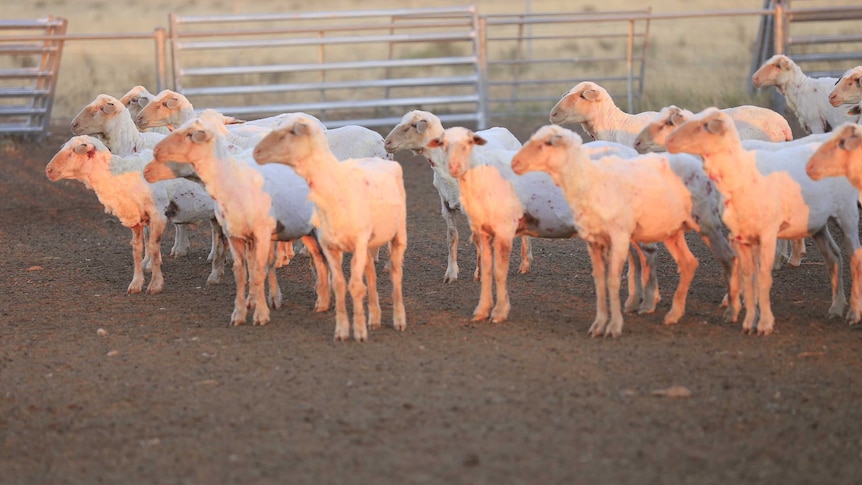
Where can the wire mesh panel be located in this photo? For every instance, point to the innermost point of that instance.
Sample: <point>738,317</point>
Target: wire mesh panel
<point>30,52</point>
<point>352,67</point>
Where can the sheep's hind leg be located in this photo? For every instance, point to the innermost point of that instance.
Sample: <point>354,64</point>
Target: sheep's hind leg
<point>358,290</point>
<point>335,259</point>
<point>397,247</point>
<point>502,253</point>
<point>597,257</point>
<point>238,250</point>
<point>832,255</point>
<point>373,297</point>
<point>526,255</point>
<point>486,262</point>
<point>137,255</point>
<point>687,264</point>
<point>321,270</point>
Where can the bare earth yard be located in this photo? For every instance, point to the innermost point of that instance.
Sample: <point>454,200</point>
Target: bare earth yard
<point>173,395</point>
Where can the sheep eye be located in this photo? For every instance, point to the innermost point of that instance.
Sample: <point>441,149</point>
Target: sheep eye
<point>548,142</point>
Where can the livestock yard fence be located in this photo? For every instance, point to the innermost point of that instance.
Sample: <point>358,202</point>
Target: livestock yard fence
<point>368,67</point>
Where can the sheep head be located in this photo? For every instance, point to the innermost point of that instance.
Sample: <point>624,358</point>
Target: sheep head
<point>836,156</point>
<point>848,89</point>
<point>457,143</point>
<point>296,141</point>
<point>75,159</point>
<point>581,104</point>
<point>777,71</point>
<point>413,132</point>
<point>652,137</point>
<point>546,151</point>
<point>166,109</point>
<point>136,99</point>
<point>191,142</point>
<point>708,131</point>
<point>102,112</point>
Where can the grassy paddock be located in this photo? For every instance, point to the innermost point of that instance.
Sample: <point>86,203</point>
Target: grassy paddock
<point>691,62</point>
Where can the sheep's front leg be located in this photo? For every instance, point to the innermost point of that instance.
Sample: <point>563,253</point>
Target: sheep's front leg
<point>275,297</point>
<point>526,255</point>
<point>832,256</point>
<point>238,251</point>
<point>651,295</point>
<point>373,297</point>
<point>397,247</point>
<point>635,280</point>
<point>486,262</point>
<point>451,241</point>
<point>597,257</point>
<point>181,241</point>
<point>763,266</point>
<point>797,252</point>
<point>358,290</point>
<point>138,257</point>
<point>283,253</point>
<point>321,273</point>
<point>154,246</point>
<point>749,292</point>
<point>734,287</point>
<point>335,259</point>
<point>217,240</point>
<point>261,251</point>
<point>617,258</point>
<point>502,253</point>
<point>854,314</point>
<point>687,264</point>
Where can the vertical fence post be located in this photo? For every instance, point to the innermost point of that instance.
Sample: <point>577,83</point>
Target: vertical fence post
<point>629,65</point>
<point>161,65</point>
<point>481,46</point>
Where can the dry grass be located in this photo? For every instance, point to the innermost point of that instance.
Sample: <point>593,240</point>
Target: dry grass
<point>691,62</point>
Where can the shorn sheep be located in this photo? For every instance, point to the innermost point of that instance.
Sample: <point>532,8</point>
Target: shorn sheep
<point>500,205</point>
<point>125,195</point>
<point>592,106</point>
<point>839,156</point>
<point>767,196</point>
<point>359,206</point>
<point>615,202</point>
<point>255,205</point>
<point>848,90</point>
<point>807,97</point>
<point>413,132</point>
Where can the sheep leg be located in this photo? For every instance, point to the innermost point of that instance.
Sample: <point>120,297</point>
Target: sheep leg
<point>261,248</point>
<point>218,254</point>
<point>283,253</point>
<point>797,252</point>
<point>635,282</point>
<point>597,257</point>
<point>731,314</point>
<point>373,297</point>
<point>687,264</point>
<point>358,290</point>
<point>147,257</point>
<point>154,244</point>
<point>651,296</point>
<point>616,260</point>
<point>181,241</point>
<point>451,241</point>
<point>502,254</point>
<point>335,259</point>
<point>138,258</point>
<point>526,255</point>
<point>486,261</point>
<point>747,270</point>
<point>854,314</point>
<point>764,261</point>
<point>321,272</point>
<point>719,246</point>
<point>477,244</point>
<point>238,251</point>
<point>275,297</point>
<point>397,247</point>
<point>832,256</point>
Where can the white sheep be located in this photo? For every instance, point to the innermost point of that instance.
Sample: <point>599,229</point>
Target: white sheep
<point>768,196</point>
<point>615,202</point>
<point>752,123</point>
<point>413,132</point>
<point>500,206</point>
<point>359,206</point>
<point>807,97</point>
<point>592,106</point>
<point>108,118</point>
<point>126,195</point>
<point>255,205</point>
<point>135,99</point>
<point>848,90</point>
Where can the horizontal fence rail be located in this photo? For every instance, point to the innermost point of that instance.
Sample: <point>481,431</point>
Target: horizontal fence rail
<point>29,64</point>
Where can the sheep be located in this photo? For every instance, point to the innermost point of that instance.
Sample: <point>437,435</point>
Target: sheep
<point>135,99</point>
<point>500,206</point>
<point>413,132</point>
<point>752,122</point>
<point>359,206</point>
<point>590,105</point>
<point>108,117</point>
<point>614,203</point>
<point>126,195</point>
<point>255,205</point>
<point>768,196</point>
<point>806,96</point>
<point>848,90</point>
<point>840,155</point>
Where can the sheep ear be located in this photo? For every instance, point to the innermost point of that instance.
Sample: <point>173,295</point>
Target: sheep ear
<point>172,103</point>
<point>590,94</point>
<point>716,127</point>
<point>142,101</point>
<point>851,143</point>
<point>676,119</point>
<point>554,141</point>
<point>478,140</point>
<point>109,108</point>
<point>783,64</point>
<point>82,148</point>
<point>856,110</point>
<point>201,136</point>
<point>230,120</point>
<point>300,129</point>
<point>435,143</point>
<point>421,126</point>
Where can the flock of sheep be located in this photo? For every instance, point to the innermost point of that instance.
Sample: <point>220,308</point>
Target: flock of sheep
<point>735,176</point>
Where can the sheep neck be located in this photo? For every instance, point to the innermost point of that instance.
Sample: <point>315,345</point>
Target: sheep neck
<point>124,139</point>
<point>123,195</point>
<point>796,89</point>
<point>732,169</point>
<point>608,120</point>
<point>575,177</point>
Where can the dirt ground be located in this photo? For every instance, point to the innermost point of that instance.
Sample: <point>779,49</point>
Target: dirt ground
<point>173,395</point>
